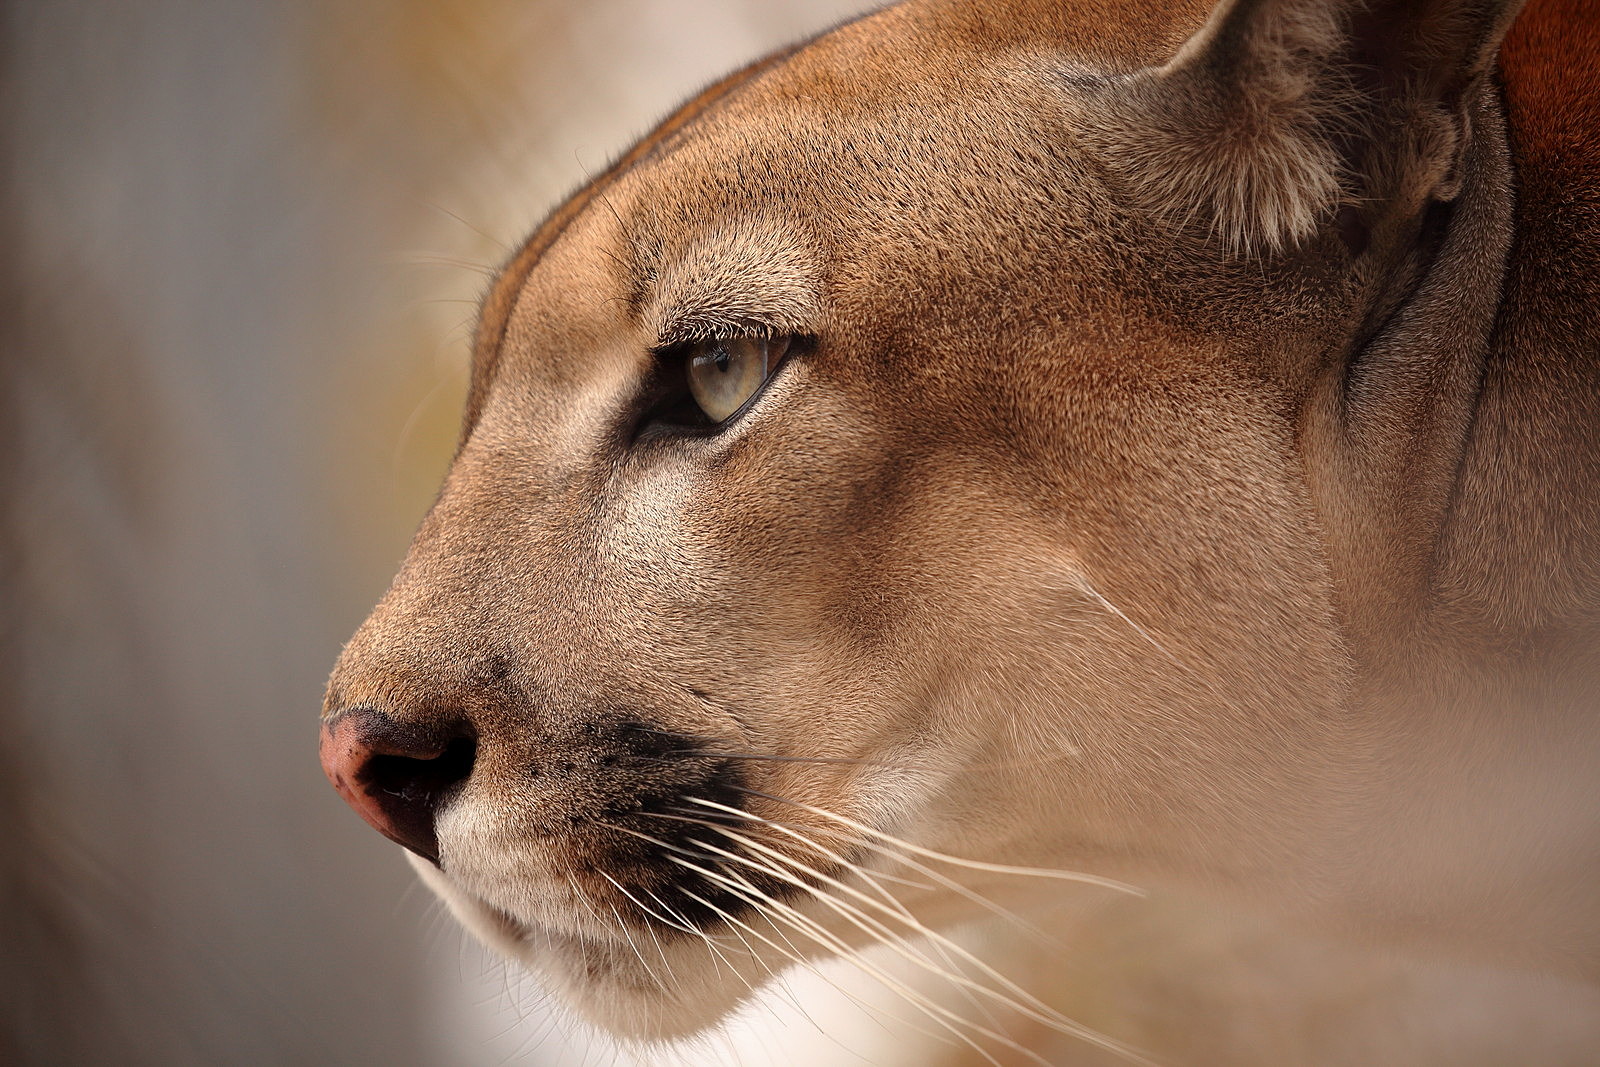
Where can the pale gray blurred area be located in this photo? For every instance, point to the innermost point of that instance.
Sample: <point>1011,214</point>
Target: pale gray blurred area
<point>241,245</point>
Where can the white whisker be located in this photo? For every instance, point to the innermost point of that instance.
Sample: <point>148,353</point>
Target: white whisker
<point>1019,1000</point>
<point>680,924</point>
<point>1095,595</point>
<point>796,956</point>
<point>660,985</point>
<point>942,857</point>
<point>894,908</point>
<point>680,815</point>
<point>940,879</point>
<point>935,1011</point>
<point>710,944</point>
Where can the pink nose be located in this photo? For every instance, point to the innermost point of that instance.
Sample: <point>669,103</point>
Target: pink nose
<point>397,776</point>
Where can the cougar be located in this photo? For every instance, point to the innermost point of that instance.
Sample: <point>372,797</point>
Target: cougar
<point>1009,450</point>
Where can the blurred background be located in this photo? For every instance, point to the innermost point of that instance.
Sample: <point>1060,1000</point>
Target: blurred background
<point>241,244</point>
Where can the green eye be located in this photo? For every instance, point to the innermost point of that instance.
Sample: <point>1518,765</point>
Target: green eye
<point>724,373</point>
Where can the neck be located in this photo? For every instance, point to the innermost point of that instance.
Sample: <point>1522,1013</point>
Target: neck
<point>1467,553</point>
<point>1394,418</point>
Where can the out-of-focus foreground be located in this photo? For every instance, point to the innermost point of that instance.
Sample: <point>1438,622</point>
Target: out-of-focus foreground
<point>242,243</point>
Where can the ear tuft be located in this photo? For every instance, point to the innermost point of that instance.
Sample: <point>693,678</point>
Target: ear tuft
<point>1279,112</point>
<point>1238,129</point>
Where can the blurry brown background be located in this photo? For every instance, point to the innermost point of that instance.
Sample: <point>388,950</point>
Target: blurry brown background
<point>240,243</point>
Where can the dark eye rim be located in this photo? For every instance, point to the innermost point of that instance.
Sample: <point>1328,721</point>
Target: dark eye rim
<point>667,410</point>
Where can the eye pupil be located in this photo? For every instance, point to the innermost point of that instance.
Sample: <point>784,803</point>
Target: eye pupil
<point>721,358</point>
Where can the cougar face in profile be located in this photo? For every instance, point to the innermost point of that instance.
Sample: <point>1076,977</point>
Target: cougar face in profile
<point>1105,436</point>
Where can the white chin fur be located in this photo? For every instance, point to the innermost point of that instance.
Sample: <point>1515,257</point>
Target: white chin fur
<point>605,984</point>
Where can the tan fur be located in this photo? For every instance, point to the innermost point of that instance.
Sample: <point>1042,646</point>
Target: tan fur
<point>1179,481</point>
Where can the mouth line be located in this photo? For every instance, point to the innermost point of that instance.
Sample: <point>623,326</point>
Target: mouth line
<point>671,912</point>
<point>676,874</point>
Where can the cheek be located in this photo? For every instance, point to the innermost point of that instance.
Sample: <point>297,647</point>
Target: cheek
<point>771,573</point>
<point>646,529</point>
<point>806,543</point>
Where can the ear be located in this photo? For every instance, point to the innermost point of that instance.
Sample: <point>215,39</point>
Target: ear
<point>1277,113</point>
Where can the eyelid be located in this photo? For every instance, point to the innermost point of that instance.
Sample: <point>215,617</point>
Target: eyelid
<point>671,349</point>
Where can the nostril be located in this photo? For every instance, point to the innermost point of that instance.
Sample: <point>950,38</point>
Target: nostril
<point>397,775</point>
<point>424,780</point>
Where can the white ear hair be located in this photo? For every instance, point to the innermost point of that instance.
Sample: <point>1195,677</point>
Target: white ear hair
<point>1278,111</point>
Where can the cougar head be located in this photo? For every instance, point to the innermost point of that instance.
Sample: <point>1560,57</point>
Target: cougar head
<point>905,447</point>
